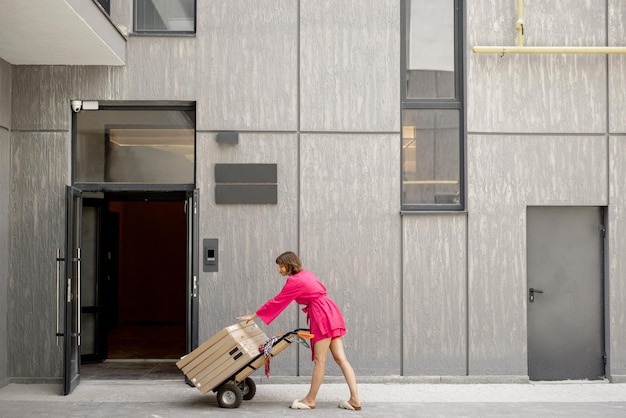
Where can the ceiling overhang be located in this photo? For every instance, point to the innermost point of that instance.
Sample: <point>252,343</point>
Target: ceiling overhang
<point>59,32</point>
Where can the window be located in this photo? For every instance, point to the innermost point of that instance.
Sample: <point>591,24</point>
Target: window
<point>432,105</point>
<point>106,6</point>
<point>165,16</point>
<point>134,146</point>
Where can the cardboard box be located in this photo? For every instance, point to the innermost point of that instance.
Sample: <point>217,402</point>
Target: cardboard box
<point>222,355</point>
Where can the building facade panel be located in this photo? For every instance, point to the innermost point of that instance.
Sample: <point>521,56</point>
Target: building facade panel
<point>349,65</point>
<point>5,94</point>
<point>250,236</point>
<point>39,176</point>
<point>44,93</point>
<point>40,92</point>
<point>247,65</point>
<point>615,286</point>
<point>434,299</point>
<point>542,93</point>
<point>617,63</point>
<point>164,68</point>
<point>5,228</point>
<point>350,237</point>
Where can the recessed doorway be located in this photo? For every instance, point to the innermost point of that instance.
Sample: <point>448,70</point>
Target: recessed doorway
<point>136,326</point>
<point>131,241</point>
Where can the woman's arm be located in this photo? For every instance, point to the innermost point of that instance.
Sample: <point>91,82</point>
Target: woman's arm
<point>247,318</point>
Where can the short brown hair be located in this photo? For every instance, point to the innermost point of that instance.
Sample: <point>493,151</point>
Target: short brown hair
<point>291,261</point>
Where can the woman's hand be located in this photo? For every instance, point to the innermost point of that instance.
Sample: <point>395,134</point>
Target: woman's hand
<point>247,318</point>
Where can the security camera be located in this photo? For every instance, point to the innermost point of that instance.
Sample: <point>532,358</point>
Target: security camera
<point>77,105</point>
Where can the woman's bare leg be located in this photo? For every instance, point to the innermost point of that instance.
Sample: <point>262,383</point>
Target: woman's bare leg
<point>336,348</point>
<point>320,352</point>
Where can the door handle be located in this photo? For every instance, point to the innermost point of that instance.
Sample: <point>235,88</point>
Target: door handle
<point>531,294</point>
<point>58,277</point>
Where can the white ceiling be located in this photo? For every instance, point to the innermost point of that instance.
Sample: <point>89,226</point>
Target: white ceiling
<point>58,32</point>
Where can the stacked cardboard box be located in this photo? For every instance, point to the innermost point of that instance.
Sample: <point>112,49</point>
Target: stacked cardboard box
<point>223,355</point>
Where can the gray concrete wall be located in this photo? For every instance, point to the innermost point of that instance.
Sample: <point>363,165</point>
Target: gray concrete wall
<point>314,87</point>
<point>5,179</point>
<point>435,305</point>
<point>37,206</point>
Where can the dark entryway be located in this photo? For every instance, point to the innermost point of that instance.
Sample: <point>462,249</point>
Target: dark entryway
<point>149,319</point>
<point>137,321</point>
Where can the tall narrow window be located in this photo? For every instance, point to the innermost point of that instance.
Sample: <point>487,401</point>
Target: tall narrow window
<point>165,16</point>
<point>432,105</point>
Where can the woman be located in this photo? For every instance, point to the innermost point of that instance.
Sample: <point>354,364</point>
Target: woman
<point>326,322</point>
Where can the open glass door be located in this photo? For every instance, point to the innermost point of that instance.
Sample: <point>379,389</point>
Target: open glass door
<point>94,272</point>
<point>192,270</point>
<point>71,331</point>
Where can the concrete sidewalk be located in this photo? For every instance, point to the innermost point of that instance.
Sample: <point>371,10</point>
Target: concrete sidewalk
<point>170,398</point>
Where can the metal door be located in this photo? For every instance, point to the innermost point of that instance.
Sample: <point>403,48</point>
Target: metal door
<point>71,295</point>
<point>565,293</point>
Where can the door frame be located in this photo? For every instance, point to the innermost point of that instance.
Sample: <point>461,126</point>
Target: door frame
<point>192,271</point>
<point>593,344</point>
<point>71,295</point>
<point>71,333</point>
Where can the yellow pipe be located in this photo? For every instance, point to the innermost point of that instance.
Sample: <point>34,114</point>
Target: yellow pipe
<point>521,49</point>
<point>502,50</point>
<point>519,25</point>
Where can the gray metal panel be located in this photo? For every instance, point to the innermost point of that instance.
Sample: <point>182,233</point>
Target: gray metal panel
<point>246,193</point>
<point>46,91</point>
<point>247,65</point>
<point>434,295</point>
<point>250,238</point>
<point>167,69</point>
<point>39,173</point>
<point>350,67</point>
<point>227,137</point>
<point>5,190</point>
<point>617,67</point>
<point>507,173</point>
<point>246,173</point>
<point>616,262</point>
<point>537,93</point>
<point>5,94</point>
<point>350,237</point>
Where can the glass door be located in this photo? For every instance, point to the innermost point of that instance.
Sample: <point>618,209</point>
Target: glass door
<point>192,270</point>
<point>95,257</point>
<point>71,295</point>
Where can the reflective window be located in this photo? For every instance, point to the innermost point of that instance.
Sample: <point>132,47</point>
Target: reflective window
<point>430,156</point>
<point>165,16</point>
<point>432,106</point>
<point>136,146</point>
<point>430,49</point>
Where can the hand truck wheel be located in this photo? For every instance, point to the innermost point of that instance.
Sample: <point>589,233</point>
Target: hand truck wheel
<point>229,396</point>
<point>248,388</point>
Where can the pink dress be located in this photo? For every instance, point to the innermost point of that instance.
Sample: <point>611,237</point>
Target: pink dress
<point>325,318</point>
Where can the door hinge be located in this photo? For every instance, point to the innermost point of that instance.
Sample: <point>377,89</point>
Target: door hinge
<point>602,229</point>
<point>604,359</point>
